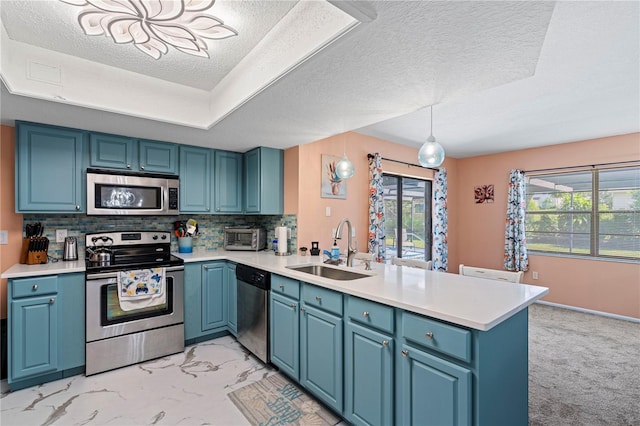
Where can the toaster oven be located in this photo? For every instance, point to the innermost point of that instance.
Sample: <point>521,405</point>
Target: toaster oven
<point>244,238</point>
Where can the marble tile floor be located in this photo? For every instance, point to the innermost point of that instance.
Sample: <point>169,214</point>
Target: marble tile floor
<point>188,388</point>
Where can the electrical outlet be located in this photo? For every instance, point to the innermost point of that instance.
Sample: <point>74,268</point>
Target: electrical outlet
<point>535,275</point>
<point>61,234</point>
<point>327,211</point>
<point>4,237</point>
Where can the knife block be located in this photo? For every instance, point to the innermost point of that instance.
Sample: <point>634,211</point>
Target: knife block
<point>34,250</point>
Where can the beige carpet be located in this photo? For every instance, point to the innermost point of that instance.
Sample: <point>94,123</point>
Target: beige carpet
<point>276,400</point>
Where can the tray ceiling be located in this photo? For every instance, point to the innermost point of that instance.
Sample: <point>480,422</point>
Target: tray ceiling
<point>502,75</point>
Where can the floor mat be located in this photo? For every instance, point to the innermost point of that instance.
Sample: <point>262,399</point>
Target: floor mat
<point>276,400</point>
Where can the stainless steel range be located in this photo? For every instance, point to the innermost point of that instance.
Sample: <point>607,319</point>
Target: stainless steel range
<point>134,299</point>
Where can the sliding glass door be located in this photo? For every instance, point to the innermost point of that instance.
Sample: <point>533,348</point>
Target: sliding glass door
<point>407,205</point>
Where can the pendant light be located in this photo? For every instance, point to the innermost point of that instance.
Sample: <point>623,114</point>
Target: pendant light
<point>431,153</point>
<point>344,167</point>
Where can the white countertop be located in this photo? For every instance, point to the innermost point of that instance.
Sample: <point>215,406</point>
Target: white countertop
<point>473,302</point>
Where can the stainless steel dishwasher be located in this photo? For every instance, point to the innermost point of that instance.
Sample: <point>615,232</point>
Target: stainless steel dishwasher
<point>253,310</point>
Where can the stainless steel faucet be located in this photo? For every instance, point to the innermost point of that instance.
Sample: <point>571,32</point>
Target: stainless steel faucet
<point>351,251</point>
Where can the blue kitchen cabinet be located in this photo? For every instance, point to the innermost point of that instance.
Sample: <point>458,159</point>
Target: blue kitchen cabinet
<point>192,301</point>
<point>71,331</point>
<point>49,169</point>
<point>206,311</point>
<point>113,151</point>
<point>158,157</point>
<point>227,182</point>
<point>434,391</point>
<point>284,304</point>
<point>369,362</point>
<point>46,328</point>
<point>214,296</point>
<point>321,344</point>
<point>232,297</point>
<point>126,153</point>
<point>195,179</point>
<point>264,181</point>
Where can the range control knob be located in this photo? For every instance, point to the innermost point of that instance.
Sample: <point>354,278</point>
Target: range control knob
<point>164,236</point>
<point>155,237</point>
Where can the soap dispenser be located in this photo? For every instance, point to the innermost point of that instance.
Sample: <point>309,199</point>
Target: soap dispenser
<point>335,250</point>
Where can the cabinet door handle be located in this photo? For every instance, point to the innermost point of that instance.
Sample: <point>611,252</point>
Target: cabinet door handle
<point>35,287</point>
<point>303,310</point>
<point>281,287</point>
<point>77,207</point>
<point>319,299</point>
<point>405,352</point>
<point>206,268</point>
<point>294,306</point>
<point>365,314</point>
<point>207,209</point>
<point>429,335</point>
<point>141,167</point>
<point>385,343</point>
<point>128,166</point>
<point>52,300</point>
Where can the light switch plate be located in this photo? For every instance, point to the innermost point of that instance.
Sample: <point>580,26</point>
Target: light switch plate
<point>4,237</point>
<point>61,234</point>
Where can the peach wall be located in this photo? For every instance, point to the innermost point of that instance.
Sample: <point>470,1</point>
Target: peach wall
<point>9,220</point>
<point>599,285</point>
<point>314,225</point>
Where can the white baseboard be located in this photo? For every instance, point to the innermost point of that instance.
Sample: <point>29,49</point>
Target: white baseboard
<point>589,311</point>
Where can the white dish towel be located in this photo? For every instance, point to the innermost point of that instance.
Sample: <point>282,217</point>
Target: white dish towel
<point>141,288</point>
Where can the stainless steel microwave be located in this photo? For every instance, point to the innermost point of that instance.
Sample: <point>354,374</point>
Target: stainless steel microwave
<point>126,193</point>
<point>244,238</point>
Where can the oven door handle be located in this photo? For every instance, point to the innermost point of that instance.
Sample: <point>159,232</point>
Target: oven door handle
<point>114,274</point>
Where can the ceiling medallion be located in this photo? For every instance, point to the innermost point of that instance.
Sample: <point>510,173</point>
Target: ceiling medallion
<point>154,25</point>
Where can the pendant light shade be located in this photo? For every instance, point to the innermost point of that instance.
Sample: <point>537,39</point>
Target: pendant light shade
<point>431,153</point>
<point>344,168</point>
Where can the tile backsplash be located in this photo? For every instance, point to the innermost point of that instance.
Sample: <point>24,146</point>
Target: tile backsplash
<point>210,227</point>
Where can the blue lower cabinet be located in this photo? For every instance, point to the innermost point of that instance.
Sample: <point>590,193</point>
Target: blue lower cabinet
<point>192,301</point>
<point>34,336</point>
<point>232,297</point>
<point>214,296</point>
<point>369,376</point>
<point>321,355</point>
<point>433,390</point>
<point>285,332</point>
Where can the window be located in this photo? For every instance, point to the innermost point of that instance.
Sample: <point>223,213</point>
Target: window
<point>590,213</point>
<point>407,222</point>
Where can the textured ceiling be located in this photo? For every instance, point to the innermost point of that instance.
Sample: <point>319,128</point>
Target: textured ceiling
<point>503,76</point>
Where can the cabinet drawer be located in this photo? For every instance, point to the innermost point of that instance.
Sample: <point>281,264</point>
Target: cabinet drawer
<point>35,286</point>
<point>287,286</point>
<point>441,337</point>
<point>322,298</point>
<point>370,313</point>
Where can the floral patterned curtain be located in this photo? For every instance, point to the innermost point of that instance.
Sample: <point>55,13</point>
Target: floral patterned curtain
<point>440,249</point>
<point>515,243</point>
<point>376,209</point>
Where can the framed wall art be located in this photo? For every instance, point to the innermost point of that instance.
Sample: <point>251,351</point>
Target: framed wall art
<point>483,194</point>
<point>331,185</point>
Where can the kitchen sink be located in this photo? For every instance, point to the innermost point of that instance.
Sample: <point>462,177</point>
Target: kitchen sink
<point>328,272</point>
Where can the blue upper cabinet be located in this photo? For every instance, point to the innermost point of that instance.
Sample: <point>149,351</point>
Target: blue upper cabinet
<point>49,169</point>
<point>264,181</point>
<point>113,152</point>
<point>125,153</point>
<point>195,179</point>
<point>158,157</point>
<point>227,182</point>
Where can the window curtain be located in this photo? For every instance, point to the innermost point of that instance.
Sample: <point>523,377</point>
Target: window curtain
<point>376,209</point>
<point>515,243</point>
<point>440,248</point>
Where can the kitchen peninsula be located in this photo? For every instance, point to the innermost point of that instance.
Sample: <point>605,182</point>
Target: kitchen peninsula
<point>400,345</point>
